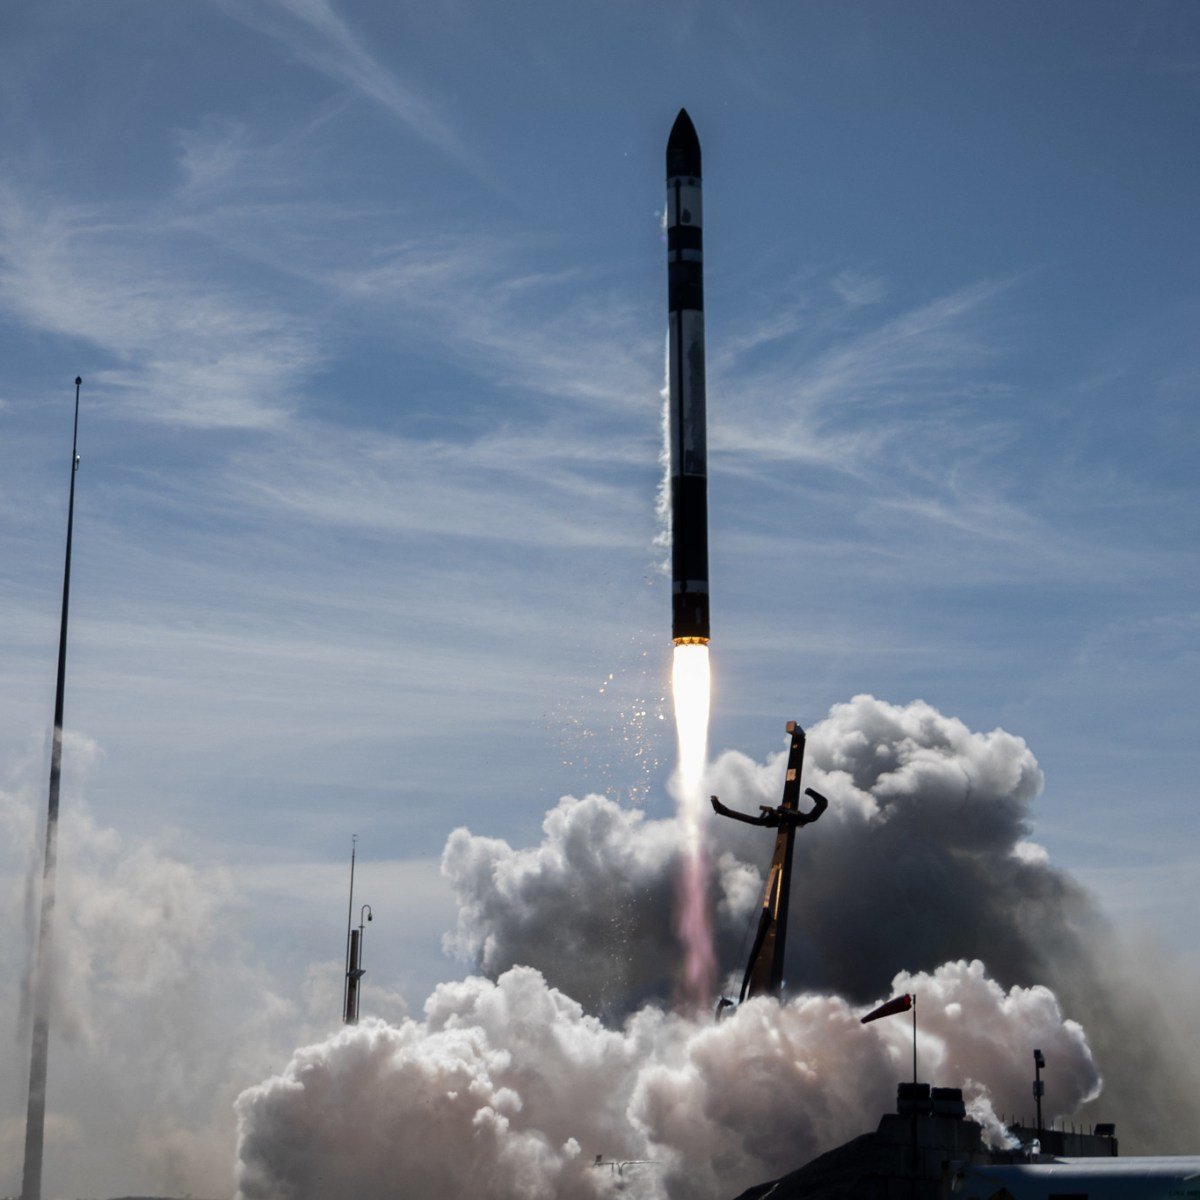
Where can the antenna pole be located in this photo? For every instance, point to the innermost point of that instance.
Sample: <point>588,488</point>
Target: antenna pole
<point>349,924</point>
<point>35,1114</point>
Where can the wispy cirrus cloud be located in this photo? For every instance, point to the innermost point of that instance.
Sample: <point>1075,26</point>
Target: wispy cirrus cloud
<point>520,313</point>
<point>189,349</point>
<point>182,348</point>
<point>528,489</point>
<point>900,422</point>
<point>212,154</point>
<point>901,368</point>
<point>316,34</point>
<point>514,308</point>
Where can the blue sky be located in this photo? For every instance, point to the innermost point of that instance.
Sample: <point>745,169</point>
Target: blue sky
<point>369,302</point>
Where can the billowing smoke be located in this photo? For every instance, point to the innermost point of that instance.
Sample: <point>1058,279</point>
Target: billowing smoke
<point>509,1088</point>
<point>923,858</point>
<point>566,1047</point>
<point>604,869</point>
<point>921,877</point>
<point>157,1019</point>
<point>590,907</point>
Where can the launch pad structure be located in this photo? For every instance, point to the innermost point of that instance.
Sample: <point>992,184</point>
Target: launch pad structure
<point>765,965</point>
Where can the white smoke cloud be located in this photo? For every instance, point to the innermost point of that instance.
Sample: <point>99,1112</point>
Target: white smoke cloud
<point>515,1084</point>
<point>512,1084</point>
<point>157,1020</point>
<point>924,857</point>
<point>509,1088</point>
<point>590,906</point>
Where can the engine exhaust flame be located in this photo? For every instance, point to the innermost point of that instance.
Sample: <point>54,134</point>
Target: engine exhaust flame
<point>690,690</point>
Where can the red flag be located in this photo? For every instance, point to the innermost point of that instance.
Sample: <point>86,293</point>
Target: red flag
<point>891,1008</point>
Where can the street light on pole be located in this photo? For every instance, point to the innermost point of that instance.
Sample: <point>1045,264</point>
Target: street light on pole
<point>364,912</point>
<point>355,970</point>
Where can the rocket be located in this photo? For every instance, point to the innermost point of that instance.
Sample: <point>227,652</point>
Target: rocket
<point>686,420</point>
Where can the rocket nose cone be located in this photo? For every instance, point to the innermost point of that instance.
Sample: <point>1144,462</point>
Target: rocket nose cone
<point>683,147</point>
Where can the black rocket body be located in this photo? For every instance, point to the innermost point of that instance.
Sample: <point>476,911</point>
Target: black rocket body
<point>687,417</point>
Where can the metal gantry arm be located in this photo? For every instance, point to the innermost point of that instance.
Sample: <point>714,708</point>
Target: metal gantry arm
<point>772,818</point>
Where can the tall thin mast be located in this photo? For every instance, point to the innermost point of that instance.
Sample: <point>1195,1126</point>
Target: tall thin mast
<point>349,939</point>
<point>35,1117</point>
